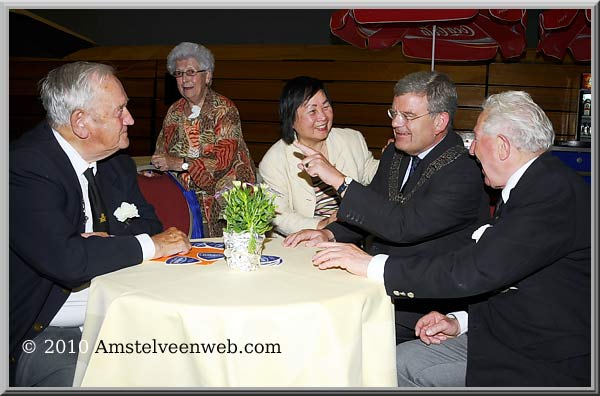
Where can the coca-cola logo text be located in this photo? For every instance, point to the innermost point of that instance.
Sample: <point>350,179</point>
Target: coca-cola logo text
<point>447,31</point>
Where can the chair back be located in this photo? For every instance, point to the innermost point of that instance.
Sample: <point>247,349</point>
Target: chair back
<point>174,206</point>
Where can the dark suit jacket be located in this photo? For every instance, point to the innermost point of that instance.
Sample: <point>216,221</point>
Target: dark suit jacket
<point>48,257</point>
<point>434,219</point>
<point>533,328</point>
<point>430,221</point>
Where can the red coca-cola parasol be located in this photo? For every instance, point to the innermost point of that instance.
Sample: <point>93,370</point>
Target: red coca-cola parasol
<point>566,29</point>
<point>460,35</point>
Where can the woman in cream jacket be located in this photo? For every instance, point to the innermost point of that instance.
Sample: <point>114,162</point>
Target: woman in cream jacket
<point>306,116</point>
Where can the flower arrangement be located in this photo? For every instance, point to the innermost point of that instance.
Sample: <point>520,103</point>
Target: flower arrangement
<point>249,208</point>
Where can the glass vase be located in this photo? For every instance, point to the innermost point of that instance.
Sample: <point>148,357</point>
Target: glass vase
<point>241,253</point>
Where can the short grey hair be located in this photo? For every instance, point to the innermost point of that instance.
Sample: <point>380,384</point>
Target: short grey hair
<point>515,115</point>
<point>439,88</point>
<point>70,87</point>
<point>185,50</point>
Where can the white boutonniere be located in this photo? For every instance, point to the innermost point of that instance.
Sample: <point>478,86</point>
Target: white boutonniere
<point>195,112</point>
<point>479,232</point>
<point>125,212</point>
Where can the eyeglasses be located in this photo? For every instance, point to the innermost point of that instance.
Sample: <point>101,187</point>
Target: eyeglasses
<point>189,73</point>
<point>403,117</point>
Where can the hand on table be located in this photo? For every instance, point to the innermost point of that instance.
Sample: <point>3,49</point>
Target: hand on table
<point>171,241</point>
<point>316,165</point>
<point>309,237</point>
<point>434,328</point>
<point>342,255</point>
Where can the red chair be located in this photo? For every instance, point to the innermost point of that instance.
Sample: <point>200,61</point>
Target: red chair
<point>170,202</point>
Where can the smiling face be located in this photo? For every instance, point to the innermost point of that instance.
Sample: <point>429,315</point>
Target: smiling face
<point>414,137</point>
<point>192,88</point>
<point>314,119</point>
<point>106,120</point>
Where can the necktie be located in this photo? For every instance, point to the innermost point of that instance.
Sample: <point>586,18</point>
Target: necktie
<point>499,207</point>
<point>413,165</point>
<point>96,203</point>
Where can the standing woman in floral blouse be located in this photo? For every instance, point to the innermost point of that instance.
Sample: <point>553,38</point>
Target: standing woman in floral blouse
<point>201,138</point>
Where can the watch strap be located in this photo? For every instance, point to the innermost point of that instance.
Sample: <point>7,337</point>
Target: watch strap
<point>344,185</point>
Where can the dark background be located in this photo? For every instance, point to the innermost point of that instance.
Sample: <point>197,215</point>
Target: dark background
<point>111,27</point>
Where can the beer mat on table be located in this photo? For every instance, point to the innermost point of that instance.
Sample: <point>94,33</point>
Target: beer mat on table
<point>201,253</point>
<point>270,261</point>
<point>206,253</point>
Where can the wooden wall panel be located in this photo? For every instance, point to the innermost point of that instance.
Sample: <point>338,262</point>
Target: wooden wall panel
<point>360,84</point>
<point>139,87</point>
<point>339,91</point>
<point>536,75</point>
<point>550,99</point>
<point>338,71</point>
<point>554,87</point>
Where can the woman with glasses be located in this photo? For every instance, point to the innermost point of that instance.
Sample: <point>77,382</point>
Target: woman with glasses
<point>201,138</point>
<point>306,116</point>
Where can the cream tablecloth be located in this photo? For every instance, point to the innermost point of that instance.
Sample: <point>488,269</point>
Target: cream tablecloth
<point>330,328</point>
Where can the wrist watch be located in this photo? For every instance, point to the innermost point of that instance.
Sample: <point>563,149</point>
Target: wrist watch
<point>186,165</point>
<point>344,185</point>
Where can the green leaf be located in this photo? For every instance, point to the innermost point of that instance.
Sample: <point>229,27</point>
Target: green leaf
<point>248,208</point>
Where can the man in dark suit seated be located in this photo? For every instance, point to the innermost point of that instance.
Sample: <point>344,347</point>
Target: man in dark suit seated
<point>409,208</point>
<point>76,212</point>
<point>529,267</point>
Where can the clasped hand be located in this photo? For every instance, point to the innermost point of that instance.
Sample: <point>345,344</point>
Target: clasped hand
<point>434,328</point>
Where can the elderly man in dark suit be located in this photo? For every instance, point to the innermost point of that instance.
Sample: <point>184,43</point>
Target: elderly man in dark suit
<point>529,268</point>
<point>409,208</point>
<point>76,212</point>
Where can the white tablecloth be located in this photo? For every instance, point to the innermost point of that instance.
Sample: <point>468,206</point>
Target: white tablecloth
<point>324,328</point>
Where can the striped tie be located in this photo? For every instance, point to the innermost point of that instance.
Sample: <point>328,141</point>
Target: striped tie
<point>413,165</point>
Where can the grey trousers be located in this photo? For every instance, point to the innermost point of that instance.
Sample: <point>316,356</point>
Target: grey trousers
<point>53,361</point>
<point>419,364</point>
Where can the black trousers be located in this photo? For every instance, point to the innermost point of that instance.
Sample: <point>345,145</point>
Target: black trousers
<point>53,361</point>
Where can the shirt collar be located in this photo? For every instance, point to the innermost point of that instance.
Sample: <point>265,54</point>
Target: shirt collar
<point>77,162</point>
<point>424,153</point>
<point>514,179</point>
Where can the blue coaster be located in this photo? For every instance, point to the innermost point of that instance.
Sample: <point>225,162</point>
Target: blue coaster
<point>182,260</point>
<point>267,261</point>
<point>216,245</point>
<point>207,256</point>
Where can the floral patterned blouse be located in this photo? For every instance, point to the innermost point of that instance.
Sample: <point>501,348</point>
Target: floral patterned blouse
<point>215,149</point>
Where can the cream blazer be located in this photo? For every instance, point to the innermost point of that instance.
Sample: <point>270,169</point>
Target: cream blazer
<point>348,152</point>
